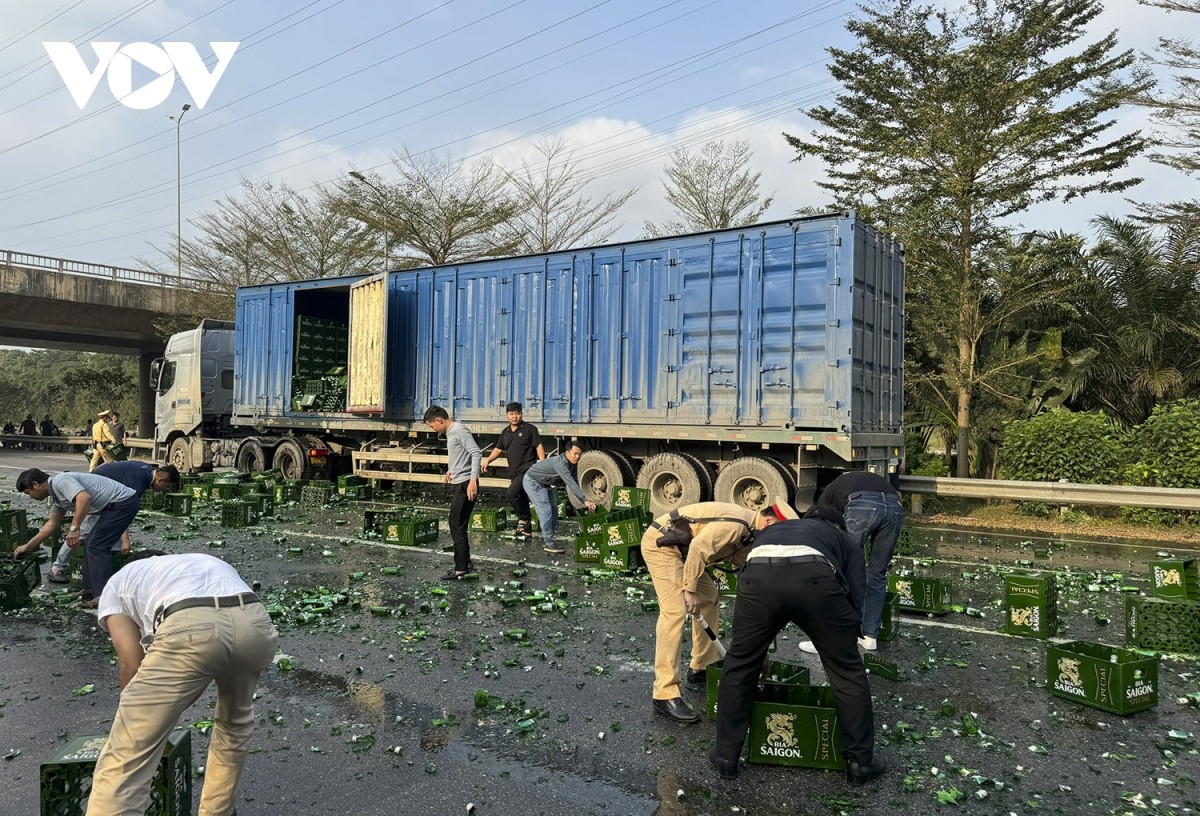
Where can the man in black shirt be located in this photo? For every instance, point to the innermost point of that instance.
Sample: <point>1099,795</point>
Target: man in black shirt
<point>809,572</point>
<point>871,507</point>
<point>523,445</point>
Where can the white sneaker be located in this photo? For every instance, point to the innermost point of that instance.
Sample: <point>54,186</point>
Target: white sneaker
<point>807,646</point>
<point>867,643</point>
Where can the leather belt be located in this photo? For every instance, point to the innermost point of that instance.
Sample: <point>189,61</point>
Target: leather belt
<point>211,601</point>
<point>786,559</point>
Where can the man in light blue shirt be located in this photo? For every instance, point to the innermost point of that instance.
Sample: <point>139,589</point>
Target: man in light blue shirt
<point>462,474</point>
<point>103,508</point>
<point>540,480</point>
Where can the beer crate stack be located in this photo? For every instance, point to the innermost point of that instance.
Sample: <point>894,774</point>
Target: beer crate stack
<point>1031,604</point>
<point>919,594</point>
<point>613,538</point>
<point>776,672</point>
<point>65,780</point>
<point>318,373</point>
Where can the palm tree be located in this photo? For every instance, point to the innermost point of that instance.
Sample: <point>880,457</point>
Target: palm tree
<point>1140,316</point>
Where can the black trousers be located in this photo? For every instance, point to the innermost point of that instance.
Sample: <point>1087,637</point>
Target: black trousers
<point>811,596</point>
<point>460,518</point>
<point>518,498</point>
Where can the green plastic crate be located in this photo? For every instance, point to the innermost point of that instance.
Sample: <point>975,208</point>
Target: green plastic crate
<point>1163,625</point>
<point>1175,580</point>
<point>222,491</point>
<point>284,492</point>
<point>624,498</point>
<point>488,520</point>
<point>65,780</point>
<point>410,531</point>
<point>1105,677</point>
<point>889,626</point>
<point>795,726</point>
<point>316,494</point>
<point>593,524</point>
<point>14,522</point>
<point>263,504</point>
<point>18,577</point>
<point>178,504</point>
<point>916,594</point>
<point>778,672</point>
<point>627,532</point>
<point>620,557</point>
<point>237,514</point>
<point>589,548</point>
<point>1031,604</point>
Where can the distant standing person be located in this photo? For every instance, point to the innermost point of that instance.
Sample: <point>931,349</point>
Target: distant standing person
<point>102,438</point>
<point>541,479</point>
<point>102,509</point>
<point>48,426</point>
<point>462,475</point>
<point>118,427</point>
<point>522,445</point>
<point>178,623</point>
<point>28,428</point>
<point>871,507</point>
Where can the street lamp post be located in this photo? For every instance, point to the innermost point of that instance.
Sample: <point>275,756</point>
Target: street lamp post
<point>178,120</point>
<point>357,176</point>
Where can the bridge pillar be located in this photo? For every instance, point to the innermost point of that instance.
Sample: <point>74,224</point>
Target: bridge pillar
<point>146,395</point>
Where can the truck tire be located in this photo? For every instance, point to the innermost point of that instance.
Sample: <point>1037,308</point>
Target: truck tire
<point>752,482</point>
<point>250,457</point>
<point>290,460</point>
<point>672,481</point>
<point>599,472</point>
<point>705,472</point>
<point>628,468</point>
<point>180,454</point>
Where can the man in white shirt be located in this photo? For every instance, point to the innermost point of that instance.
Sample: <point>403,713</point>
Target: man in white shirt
<point>179,623</point>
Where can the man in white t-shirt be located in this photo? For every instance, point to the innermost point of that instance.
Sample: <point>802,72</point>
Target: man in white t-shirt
<point>179,623</point>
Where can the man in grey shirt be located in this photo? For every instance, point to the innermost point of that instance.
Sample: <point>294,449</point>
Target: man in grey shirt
<point>539,482</point>
<point>462,475</point>
<point>103,509</point>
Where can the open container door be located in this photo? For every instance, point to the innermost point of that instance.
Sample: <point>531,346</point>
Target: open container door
<point>368,345</point>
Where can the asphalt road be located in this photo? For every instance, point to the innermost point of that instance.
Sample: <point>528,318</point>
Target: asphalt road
<point>378,715</point>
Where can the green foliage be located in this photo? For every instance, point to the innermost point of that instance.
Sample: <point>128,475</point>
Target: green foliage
<point>712,189</point>
<point>1167,445</point>
<point>931,466</point>
<point>70,386</point>
<point>1059,444</point>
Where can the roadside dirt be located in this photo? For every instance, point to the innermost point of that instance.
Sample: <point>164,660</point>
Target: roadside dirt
<point>1005,517</point>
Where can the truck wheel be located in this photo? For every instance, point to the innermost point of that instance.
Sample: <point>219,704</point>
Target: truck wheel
<point>599,472</point>
<point>751,482</point>
<point>290,460</point>
<point>671,480</point>
<point>250,457</point>
<point>704,472</point>
<point>628,468</point>
<point>180,454</point>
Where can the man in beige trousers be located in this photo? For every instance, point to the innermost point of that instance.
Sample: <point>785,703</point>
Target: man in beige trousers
<point>717,531</point>
<point>178,623</point>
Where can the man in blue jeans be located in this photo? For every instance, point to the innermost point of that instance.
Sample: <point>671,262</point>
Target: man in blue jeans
<point>103,509</point>
<point>539,483</point>
<point>871,507</point>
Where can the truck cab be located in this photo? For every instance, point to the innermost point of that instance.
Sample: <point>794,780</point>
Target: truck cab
<point>193,387</point>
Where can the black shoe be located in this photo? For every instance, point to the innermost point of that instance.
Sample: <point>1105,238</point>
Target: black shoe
<point>677,710</point>
<point>696,677</point>
<point>862,774</point>
<point>452,576</point>
<point>724,769</point>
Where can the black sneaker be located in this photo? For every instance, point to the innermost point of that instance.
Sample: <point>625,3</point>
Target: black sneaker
<point>857,774</point>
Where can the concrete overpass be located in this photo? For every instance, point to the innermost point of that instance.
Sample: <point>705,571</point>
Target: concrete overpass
<point>58,303</point>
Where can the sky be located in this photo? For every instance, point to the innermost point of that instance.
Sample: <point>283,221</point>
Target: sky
<point>317,88</point>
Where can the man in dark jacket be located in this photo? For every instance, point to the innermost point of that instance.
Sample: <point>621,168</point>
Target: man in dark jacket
<point>871,507</point>
<point>809,572</point>
<point>522,446</point>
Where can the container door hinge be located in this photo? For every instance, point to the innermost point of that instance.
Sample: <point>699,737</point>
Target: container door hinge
<point>672,297</point>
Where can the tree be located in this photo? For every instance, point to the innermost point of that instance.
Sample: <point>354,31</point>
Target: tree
<point>948,124</point>
<point>552,209</point>
<point>269,233</point>
<point>711,190</point>
<point>1177,110</point>
<point>1140,315</point>
<point>440,211</point>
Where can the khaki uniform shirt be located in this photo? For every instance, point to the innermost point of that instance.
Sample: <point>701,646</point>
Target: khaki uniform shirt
<point>102,432</point>
<point>714,541</point>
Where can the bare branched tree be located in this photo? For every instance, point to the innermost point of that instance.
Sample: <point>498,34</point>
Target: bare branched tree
<point>553,210</point>
<point>713,189</point>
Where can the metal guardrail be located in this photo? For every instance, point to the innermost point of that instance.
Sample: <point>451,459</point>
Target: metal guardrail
<point>1057,493</point>
<point>13,440</point>
<point>43,263</point>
